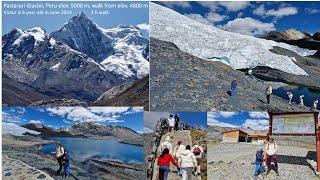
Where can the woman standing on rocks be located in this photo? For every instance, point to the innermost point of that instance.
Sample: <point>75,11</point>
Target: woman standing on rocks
<point>164,161</point>
<point>60,156</point>
<point>271,150</point>
<point>269,92</point>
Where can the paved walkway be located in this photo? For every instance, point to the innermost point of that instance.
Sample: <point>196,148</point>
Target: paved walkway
<point>182,134</point>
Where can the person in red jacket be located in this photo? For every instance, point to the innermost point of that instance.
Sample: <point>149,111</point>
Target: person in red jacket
<point>164,163</point>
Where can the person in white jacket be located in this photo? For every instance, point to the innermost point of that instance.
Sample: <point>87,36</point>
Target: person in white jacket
<point>302,100</point>
<point>315,104</point>
<point>171,123</point>
<point>290,95</point>
<point>180,148</point>
<point>59,155</point>
<point>166,144</point>
<point>198,152</point>
<point>187,161</point>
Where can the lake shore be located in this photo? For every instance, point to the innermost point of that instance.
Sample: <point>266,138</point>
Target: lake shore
<point>26,150</point>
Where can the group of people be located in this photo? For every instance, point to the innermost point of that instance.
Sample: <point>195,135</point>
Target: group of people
<point>63,160</point>
<point>301,98</point>
<point>233,92</point>
<point>186,158</point>
<point>265,157</point>
<point>173,123</point>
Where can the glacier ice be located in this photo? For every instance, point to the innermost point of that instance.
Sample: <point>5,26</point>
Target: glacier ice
<point>211,43</point>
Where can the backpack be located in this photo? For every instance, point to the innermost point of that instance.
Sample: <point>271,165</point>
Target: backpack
<point>259,155</point>
<point>197,151</point>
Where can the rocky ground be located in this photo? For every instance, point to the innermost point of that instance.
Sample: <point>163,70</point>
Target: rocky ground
<point>183,82</point>
<point>26,150</point>
<point>15,169</point>
<point>234,161</point>
<point>131,94</point>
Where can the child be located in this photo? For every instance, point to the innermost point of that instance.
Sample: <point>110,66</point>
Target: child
<point>66,164</point>
<point>259,167</point>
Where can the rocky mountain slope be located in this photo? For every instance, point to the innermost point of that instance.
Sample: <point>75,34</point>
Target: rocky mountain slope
<point>294,37</point>
<point>54,64</point>
<point>184,82</point>
<point>88,129</point>
<point>129,94</point>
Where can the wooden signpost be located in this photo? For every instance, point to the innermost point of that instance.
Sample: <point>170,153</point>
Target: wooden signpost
<point>296,124</point>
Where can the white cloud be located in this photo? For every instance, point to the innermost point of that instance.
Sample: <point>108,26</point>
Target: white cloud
<point>35,121</point>
<point>172,4</point>
<point>229,5</point>
<point>234,5</point>
<point>208,19</point>
<point>8,117</point>
<point>280,12</point>
<point>199,18</point>
<point>212,5</point>
<point>215,17</point>
<point>259,115</point>
<point>93,114</point>
<point>14,129</point>
<point>249,26</point>
<point>144,26</point>
<point>227,114</point>
<point>312,10</point>
<point>256,124</point>
<point>212,120</point>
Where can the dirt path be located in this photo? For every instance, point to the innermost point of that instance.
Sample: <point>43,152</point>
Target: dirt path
<point>185,136</point>
<point>15,170</point>
<point>234,161</point>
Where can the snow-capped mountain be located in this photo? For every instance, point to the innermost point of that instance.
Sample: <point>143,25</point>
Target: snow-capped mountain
<point>211,43</point>
<point>120,50</point>
<point>81,51</point>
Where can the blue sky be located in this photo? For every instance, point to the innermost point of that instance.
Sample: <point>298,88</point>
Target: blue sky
<point>67,116</point>
<point>196,119</point>
<point>252,120</point>
<point>253,18</point>
<point>116,16</point>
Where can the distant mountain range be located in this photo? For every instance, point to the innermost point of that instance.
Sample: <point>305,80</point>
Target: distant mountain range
<point>80,61</point>
<point>297,38</point>
<point>88,130</point>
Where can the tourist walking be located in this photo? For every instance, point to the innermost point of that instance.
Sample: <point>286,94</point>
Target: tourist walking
<point>290,95</point>
<point>166,145</point>
<point>180,148</point>
<point>268,93</point>
<point>171,122</point>
<point>315,104</point>
<point>177,122</point>
<point>302,100</point>
<point>233,89</point>
<point>198,152</point>
<point>187,162</point>
<point>271,150</point>
<point>164,161</point>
